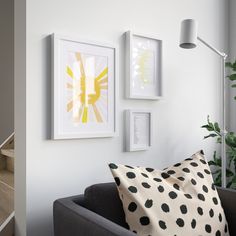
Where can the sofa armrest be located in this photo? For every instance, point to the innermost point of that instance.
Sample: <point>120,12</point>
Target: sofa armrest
<point>228,199</point>
<point>71,219</point>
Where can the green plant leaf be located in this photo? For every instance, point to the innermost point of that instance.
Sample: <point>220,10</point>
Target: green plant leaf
<point>216,172</point>
<point>216,126</point>
<point>209,128</point>
<point>212,163</point>
<point>228,65</point>
<point>218,140</point>
<point>233,185</point>
<point>229,184</point>
<point>232,77</point>
<point>230,139</point>
<point>210,135</point>
<point>218,180</point>
<point>229,173</point>
<point>233,85</point>
<point>234,66</point>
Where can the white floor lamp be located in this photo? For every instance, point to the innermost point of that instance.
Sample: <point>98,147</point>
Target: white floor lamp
<point>188,40</point>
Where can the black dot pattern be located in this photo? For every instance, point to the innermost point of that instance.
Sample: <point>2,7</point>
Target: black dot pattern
<point>171,202</point>
<point>113,166</point>
<point>165,207</point>
<point>220,217</point>
<point>170,172</point>
<point>194,164</point>
<point>144,175</point>
<point>117,180</point>
<point>130,175</point>
<point>193,181</point>
<point>200,175</point>
<point>211,213</point>
<point>177,165</point>
<point>201,197</point>
<point>176,186</point>
<point>193,223</point>
<point>146,185</point>
<point>144,220</point>
<point>208,228</point>
<point>205,189</point>
<point>218,233</point>
<point>180,222</point>
<point>186,170</point>
<point>173,195</point>
<point>150,169</point>
<point>162,224</point>
<point>148,203</point>
<point>183,209</point>
<point>157,179</point>
<point>161,189</point>
<point>130,167</point>
<point>188,196</point>
<point>165,175</point>
<point>214,199</point>
<point>200,211</point>
<point>132,207</point>
<point>132,189</point>
<point>181,178</point>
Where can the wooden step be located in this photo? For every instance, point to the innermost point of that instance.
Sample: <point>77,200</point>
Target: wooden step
<point>7,177</point>
<point>7,227</point>
<point>8,152</point>
<point>6,201</point>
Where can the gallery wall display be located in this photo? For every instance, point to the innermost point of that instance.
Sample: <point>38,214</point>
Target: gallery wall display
<point>138,129</point>
<point>143,67</point>
<point>84,89</point>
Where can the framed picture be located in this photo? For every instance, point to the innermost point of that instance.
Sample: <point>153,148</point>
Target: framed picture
<point>143,67</point>
<point>84,89</point>
<point>138,129</point>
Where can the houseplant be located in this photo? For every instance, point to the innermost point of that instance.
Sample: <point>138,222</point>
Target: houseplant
<point>230,139</point>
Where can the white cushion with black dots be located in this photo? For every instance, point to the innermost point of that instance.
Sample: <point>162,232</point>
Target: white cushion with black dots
<point>178,201</point>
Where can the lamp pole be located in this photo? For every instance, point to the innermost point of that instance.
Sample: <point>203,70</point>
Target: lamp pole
<point>223,111</point>
<point>188,40</point>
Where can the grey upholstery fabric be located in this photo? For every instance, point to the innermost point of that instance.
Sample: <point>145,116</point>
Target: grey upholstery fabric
<point>75,216</point>
<point>228,200</point>
<point>101,198</point>
<point>71,219</point>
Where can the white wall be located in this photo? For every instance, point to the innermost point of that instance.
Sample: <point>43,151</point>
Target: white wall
<point>57,169</point>
<point>6,68</point>
<point>232,46</point>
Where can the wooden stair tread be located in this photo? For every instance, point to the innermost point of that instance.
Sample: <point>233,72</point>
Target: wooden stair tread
<point>8,152</point>
<point>7,177</point>
<point>3,215</point>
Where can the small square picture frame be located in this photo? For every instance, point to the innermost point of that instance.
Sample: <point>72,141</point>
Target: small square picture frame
<point>143,67</point>
<point>138,128</point>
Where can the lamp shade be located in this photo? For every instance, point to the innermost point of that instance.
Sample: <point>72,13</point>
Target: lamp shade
<point>188,34</point>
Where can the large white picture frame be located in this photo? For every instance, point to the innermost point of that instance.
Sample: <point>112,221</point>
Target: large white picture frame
<point>84,89</point>
<point>138,129</point>
<point>143,67</point>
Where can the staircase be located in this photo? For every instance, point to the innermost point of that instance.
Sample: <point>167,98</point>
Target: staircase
<point>7,187</point>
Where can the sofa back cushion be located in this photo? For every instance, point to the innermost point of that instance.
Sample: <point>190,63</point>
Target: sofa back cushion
<point>104,200</point>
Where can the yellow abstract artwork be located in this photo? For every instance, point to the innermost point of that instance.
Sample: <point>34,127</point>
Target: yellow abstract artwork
<point>87,88</point>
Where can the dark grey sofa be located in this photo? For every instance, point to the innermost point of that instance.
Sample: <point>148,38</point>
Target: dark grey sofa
<point>99,212</point>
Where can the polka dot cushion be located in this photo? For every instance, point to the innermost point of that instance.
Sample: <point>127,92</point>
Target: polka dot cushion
<point>178,201</point>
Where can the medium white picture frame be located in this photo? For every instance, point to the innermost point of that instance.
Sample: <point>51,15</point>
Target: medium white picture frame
<point>138,129</point>
<point>84,88</point>
<point>143,67</point>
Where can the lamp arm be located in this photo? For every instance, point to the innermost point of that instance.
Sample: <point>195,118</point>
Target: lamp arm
<point>223,111</point>
<point>222,54</point>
